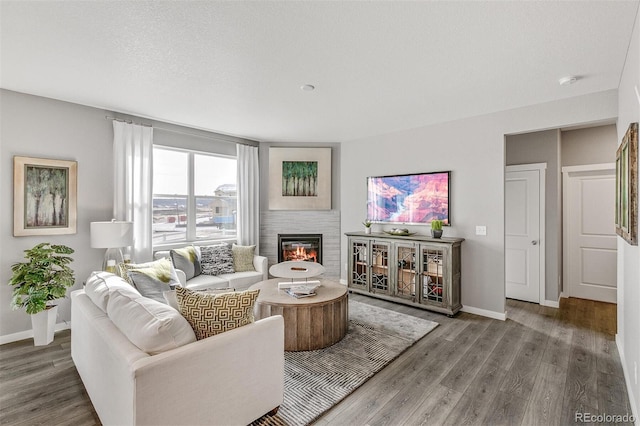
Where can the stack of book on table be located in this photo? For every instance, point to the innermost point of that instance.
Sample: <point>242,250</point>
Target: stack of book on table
<point>298,289</point>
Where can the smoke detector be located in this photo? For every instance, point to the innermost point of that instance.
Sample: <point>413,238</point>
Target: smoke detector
<point>568,80</point>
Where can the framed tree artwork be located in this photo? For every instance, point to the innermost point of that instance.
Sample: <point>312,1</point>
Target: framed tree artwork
<point>300,178</point>
<point>44,196</point>
<point>627,186</point>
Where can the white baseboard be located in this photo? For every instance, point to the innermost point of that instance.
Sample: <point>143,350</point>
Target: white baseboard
<point>551,303</point>
<point>23,335</point>
<point>485,313</point>
<point>627,380</point>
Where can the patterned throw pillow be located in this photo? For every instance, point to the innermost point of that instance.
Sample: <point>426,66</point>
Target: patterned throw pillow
<point>243,258</point>
<point>151,278</point>
<point>187,260</point>
<point>216,260</point>
<point>210,314</point>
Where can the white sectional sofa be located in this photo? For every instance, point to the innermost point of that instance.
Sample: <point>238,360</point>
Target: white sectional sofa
<point>237,280</point>
<point>231,378</point>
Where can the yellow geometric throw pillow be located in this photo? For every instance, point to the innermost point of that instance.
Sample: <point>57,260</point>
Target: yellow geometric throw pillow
<point>211,314</point>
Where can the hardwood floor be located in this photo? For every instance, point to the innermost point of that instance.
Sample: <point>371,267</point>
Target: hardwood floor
<point>539,367</point>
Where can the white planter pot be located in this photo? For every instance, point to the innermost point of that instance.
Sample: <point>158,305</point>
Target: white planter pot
<point>367,230</point>
<point>44,325</point>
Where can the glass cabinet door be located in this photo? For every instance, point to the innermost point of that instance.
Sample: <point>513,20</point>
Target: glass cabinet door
<point>380,267</point>
<point>359,266</point>
<point>432,276</point>
<point>406,271</point>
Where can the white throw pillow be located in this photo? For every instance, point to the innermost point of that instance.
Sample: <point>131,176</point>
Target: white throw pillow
<point>150,325</point>
<point>101,283</point>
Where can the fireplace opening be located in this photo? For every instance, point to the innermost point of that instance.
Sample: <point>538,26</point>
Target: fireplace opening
<point>304,247</point>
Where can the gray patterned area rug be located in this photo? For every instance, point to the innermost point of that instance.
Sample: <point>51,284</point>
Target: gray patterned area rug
<point>317,380</point>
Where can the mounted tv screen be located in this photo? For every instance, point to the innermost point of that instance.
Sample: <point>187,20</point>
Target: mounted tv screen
<point>412,199</point>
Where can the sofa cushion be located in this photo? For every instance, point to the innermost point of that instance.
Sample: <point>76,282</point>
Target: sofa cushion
<point>186,259</point>
<point>99,284</point>
<point>203,281</point>
<point>243,258</point>
<point>242,280</point>
<point>214,314</point>
<point>152,326</point>
<point>216,259</point>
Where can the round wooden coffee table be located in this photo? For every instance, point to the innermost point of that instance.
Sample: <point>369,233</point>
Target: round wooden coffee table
<point>310,323</point>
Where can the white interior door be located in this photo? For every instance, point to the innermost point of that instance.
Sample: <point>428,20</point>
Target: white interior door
<point>590,240</point>
<point>522,234</point>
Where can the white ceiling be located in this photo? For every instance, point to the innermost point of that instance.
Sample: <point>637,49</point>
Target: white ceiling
<point>237,67</point>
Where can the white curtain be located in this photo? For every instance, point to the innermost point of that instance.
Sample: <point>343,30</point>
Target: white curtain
<point>248,196</point>
<point>133,174</point>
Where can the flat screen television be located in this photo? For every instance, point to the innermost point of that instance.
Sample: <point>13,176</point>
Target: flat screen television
<point>412,199</point>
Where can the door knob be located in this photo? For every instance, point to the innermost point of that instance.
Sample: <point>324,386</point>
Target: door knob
<point>534,242</point>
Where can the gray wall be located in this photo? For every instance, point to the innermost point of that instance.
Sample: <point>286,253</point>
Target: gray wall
<point>544,147</point>
<point>594,145</point>
<point>39,127</point>
<point>473,149</point>
<point>628,338</point>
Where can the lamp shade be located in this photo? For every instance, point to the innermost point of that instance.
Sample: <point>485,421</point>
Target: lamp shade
<point>111,234</point>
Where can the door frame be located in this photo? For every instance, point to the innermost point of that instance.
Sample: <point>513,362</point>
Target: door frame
<point>541,169</point>
<point>566,171</point>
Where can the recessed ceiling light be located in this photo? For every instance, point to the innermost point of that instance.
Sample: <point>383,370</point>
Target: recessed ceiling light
<point>570,79</point>
<point>308,87</point>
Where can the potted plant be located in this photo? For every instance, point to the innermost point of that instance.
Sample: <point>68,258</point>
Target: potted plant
<point>367,226</point>
<point>44,278</point>
<point>436,228</point>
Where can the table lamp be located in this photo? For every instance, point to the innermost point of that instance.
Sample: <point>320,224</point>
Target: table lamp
<point>113,236</point>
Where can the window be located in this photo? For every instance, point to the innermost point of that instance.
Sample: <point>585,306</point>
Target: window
<point>194,196</point>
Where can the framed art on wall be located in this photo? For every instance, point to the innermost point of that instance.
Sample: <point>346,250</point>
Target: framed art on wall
<point>300,178</point>
<point>44,196</point>
<point>627,186</point>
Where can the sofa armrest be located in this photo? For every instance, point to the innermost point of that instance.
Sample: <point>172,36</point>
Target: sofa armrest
<point>234,377</point>
<point>261,264</point>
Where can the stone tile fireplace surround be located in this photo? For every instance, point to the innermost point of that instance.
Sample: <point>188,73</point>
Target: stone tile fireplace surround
<point>326,223</point>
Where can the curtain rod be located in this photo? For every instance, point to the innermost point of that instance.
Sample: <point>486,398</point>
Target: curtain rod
<point>181,132</point>
<point>122,120</point>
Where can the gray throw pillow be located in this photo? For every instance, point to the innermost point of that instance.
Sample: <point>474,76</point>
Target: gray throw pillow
<point>152,278</point>
<point>216,260</point>
<point>149,286</point>
<point>186,259</point>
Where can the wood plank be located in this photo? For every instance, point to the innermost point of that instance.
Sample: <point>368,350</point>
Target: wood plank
<point>505,409</point>
<point>522,374</point>
<point>545,405</point>
<point>409,390</point>
<point>607,357</point>
<point>558,346</point>
<point>473,406</point>
<point>582,383</point>
<point>436,407</point>
<point>465,370</point>
<point>612,395</point>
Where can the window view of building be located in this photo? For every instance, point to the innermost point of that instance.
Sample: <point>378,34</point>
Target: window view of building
<point>194,196</point>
